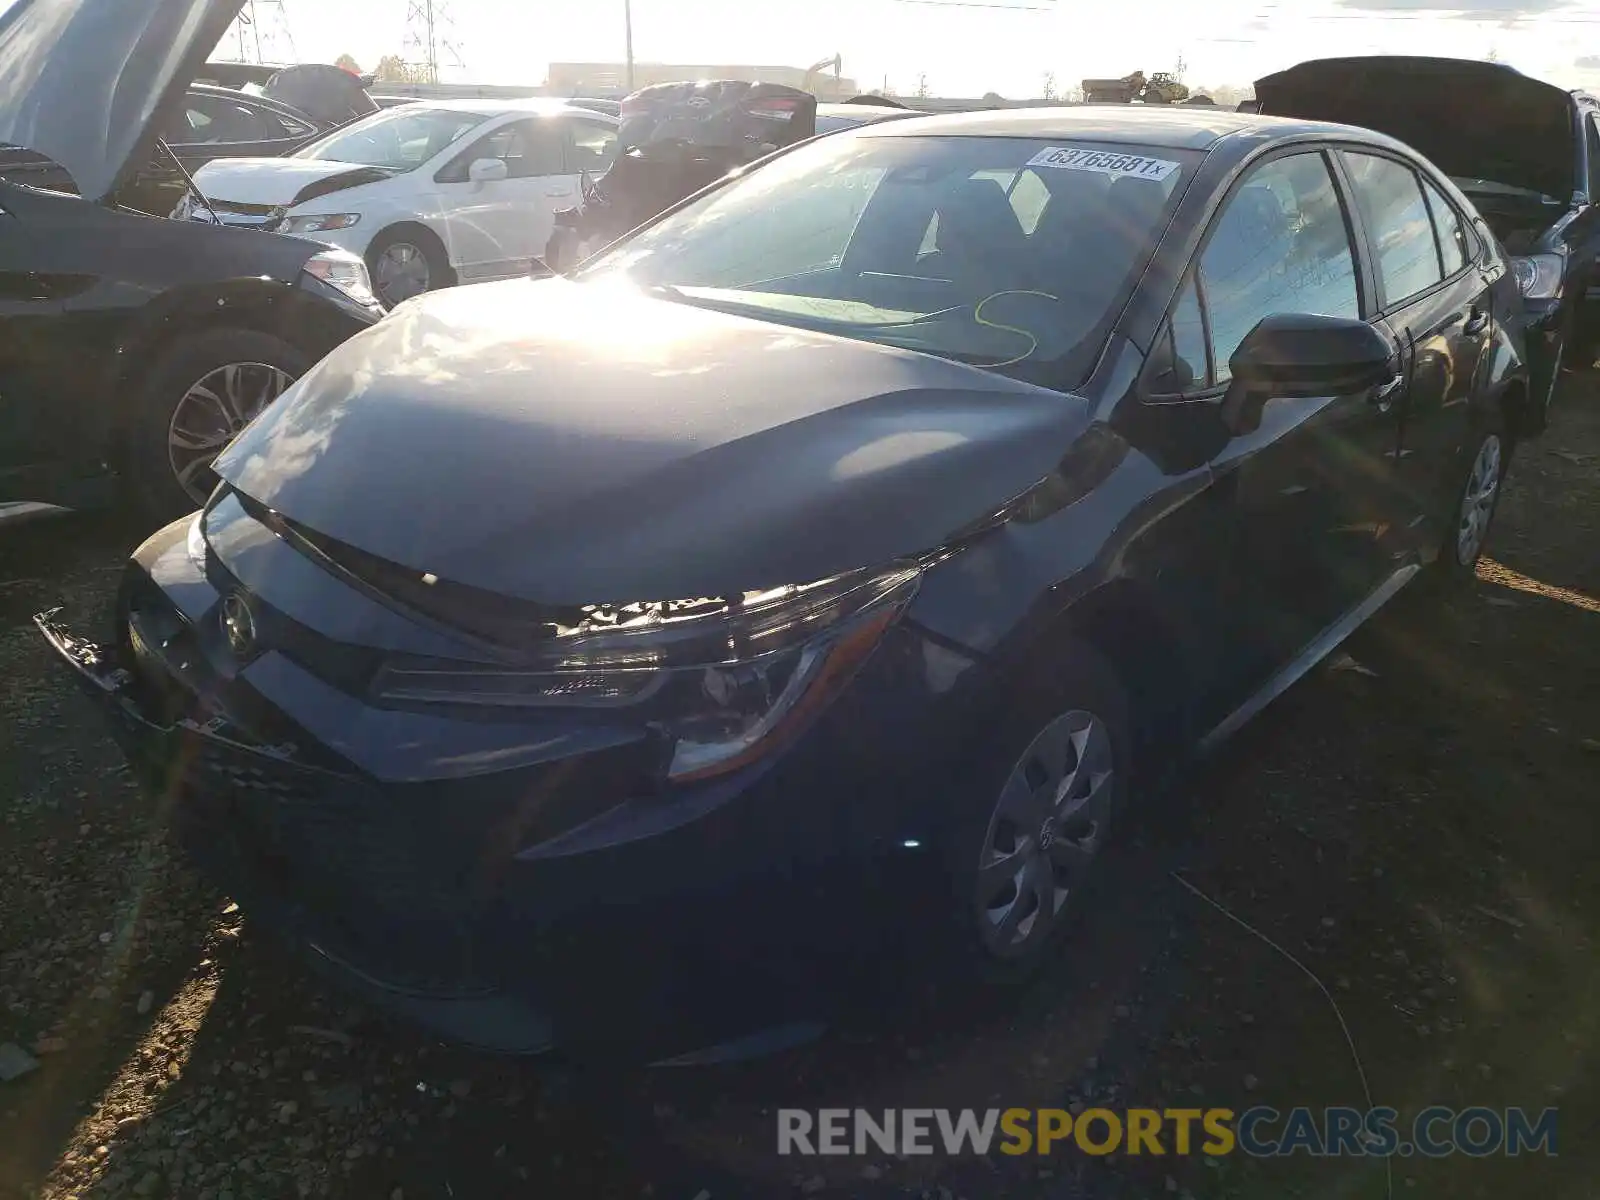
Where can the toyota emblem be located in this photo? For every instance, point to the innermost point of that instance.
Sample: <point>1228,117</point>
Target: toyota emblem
<point>238,625</point>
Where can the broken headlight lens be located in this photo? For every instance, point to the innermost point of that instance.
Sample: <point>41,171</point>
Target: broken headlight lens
<point>195,544</point>
<point>724,681</point>
<point>1538,276</point>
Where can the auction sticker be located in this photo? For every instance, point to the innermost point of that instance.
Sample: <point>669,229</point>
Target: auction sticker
<point>1101,162</point>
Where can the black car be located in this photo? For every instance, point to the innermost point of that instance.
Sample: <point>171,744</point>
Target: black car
<point>623,660</point>
<point>218,122</point>
<point>132,347</point>
<point>1526,153</point>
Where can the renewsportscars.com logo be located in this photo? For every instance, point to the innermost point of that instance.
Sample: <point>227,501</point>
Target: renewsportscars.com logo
<point>1259,1132</point>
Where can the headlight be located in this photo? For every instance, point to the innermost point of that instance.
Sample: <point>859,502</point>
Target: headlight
<point>724,679</point>
<point>321,224</point>
<point>345,271</point>
<point>197,540</point>
<point>1539,275</point>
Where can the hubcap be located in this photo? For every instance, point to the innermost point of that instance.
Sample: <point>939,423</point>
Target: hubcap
<point>209,416</point>
<point>1478,500</point>
<point>402,273</point>
<point>1048,824</point>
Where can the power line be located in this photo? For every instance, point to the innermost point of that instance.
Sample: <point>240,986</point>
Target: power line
<point>430,39</point>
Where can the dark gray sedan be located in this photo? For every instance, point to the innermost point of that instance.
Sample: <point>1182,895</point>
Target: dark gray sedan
<point>606,660</point>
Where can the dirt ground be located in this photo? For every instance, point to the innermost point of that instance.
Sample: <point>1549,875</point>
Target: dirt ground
<point>1416,825</point>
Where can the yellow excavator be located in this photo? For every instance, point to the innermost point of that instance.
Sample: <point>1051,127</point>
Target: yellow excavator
<point>1161,88</point>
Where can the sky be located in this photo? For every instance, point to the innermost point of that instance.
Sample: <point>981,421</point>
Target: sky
<point>963,47</point>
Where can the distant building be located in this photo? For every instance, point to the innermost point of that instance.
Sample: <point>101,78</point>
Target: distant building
<point>604,79</point>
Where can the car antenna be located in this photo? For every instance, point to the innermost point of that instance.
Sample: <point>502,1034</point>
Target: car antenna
<point>194,188</point>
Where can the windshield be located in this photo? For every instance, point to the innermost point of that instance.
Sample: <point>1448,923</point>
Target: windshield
<point>1010,253</point>
<point>399,139</point>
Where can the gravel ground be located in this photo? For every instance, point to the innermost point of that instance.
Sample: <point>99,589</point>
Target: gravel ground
<point>1415,824</point>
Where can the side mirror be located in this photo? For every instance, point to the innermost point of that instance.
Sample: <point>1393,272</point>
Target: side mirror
<point>1300,355</point>
<point>488,170</point>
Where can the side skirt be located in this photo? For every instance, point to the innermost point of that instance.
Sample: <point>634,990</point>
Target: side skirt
<point>1315,651</point>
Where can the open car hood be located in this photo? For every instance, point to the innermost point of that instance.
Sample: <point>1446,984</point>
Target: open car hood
<point>86,82</point>
<point>574,443</point>
<point>1474,120</point>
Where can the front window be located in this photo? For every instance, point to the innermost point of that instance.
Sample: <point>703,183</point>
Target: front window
<point>1014,254</point>
<point>398,139</point>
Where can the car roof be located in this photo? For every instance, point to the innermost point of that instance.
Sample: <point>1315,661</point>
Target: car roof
<point>228,93</point>
<point>494,106</point>
<point>865,112</point>
<point>1158,125</point>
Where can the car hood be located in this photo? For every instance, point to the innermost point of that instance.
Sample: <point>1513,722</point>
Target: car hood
<point>86,82</point>
<point>281,181</point>
<point>577,443</point>
<point>1475,120</point>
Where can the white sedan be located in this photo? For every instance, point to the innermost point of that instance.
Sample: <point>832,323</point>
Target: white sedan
<point>430,194</point>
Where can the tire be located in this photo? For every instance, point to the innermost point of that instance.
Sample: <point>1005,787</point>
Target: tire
<point>1471,519</point>
<point>169,442</point>
<point>398,239</point>
<point>1080,684</point>
<point>1548,379</point>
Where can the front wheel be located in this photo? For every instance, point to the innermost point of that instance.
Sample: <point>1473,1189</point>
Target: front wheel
<point>406,261</point>
<point>200,393</point>
<point>1037,811</point>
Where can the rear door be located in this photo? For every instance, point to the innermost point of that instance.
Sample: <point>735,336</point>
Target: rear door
<point>589,148</point>
<point>1435,300</point>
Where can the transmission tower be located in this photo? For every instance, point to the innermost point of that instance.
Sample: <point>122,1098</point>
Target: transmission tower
<point>261,34</point>
<point>430,43</point>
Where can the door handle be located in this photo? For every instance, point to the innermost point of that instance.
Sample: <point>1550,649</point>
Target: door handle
<point>1382,396</point>
<point>1477,322</point>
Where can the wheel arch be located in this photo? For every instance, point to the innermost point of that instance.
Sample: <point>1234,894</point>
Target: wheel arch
<point>259,305</point>
<point>412,224</point>
<point>1124,622</point>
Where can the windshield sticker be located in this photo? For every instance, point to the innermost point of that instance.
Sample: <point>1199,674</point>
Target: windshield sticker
<point>1136,166</point>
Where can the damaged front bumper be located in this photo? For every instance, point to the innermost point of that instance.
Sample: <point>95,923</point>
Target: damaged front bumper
<point>233,803</point>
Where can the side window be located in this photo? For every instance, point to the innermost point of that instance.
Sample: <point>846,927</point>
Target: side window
<point>1280,245</point>
<point>1178,362</point>
<point>1591,128</point>
<point>1453,246</point>
<point>1397,221</point>
<point>590,146</point>
<point>212,120</point>
<point>289,126</point>
<point>528,148</point>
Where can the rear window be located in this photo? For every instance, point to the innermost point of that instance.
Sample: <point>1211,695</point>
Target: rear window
<point>1009,253</point>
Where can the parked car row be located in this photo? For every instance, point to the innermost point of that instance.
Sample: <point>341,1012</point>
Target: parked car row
<point>612,660</point>
<point>132,348</point>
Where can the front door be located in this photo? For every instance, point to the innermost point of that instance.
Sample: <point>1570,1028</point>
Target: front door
<point>1312,486</point>
<point>498,227</point>
<point>1436,302</point>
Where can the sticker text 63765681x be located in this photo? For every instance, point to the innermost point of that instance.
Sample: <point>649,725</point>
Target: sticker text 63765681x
<point>1101,162</point>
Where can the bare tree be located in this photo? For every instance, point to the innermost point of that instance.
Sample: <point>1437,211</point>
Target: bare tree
<point>922,92</point>
<point>1049,92</point>
<point>348,63</point>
